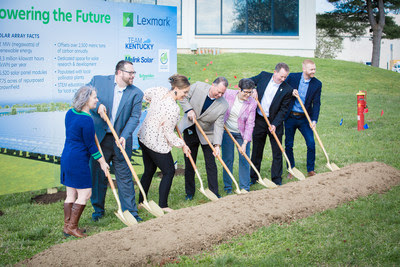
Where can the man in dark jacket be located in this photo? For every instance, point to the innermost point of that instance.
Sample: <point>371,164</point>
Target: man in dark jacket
<point>309,89</point>
<point>274,95</point>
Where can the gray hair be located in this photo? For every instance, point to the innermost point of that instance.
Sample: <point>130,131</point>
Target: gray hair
<point>222,80</point>
<point>82,96</point>
<point>280,66</point>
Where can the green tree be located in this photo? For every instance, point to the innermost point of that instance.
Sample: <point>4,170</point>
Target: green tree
<point>355,16</point>
<point>327,47</point>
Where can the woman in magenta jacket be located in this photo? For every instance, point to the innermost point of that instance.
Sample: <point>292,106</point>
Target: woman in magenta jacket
<point>239,119</point>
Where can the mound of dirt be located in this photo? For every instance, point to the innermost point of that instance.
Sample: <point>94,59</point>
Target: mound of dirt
<point>49,198</point>
<point>195,229</point>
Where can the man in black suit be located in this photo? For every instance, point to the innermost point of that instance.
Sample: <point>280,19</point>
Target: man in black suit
<point>274,95</point>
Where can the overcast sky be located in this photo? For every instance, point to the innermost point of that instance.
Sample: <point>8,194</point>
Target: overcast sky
<point>323,6</point>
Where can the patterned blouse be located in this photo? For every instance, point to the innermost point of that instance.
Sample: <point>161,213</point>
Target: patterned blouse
<point>157,130</point>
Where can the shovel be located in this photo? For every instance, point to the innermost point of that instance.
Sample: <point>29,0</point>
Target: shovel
<point>331,166</point>
<point>219,158</point>
<point>295,172</point>
<point>126,218</point>
<point>206,192</point>
<point>264,182</point>
<point>150,206</point>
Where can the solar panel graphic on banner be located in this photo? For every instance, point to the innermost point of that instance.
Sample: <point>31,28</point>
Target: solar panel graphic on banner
<point>48,49</point>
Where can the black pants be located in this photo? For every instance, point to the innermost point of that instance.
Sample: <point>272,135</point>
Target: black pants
<point>151,161</point>
<point>260,133</point>
<point>193,142</point>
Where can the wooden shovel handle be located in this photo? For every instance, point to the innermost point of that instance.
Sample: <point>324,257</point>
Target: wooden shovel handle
<point>190,156</point>
<point>313,128</point>
<point>128,161</point>
<point>108,172</point>
<point>243,153</point>
<point>269,125</point>
<point>236,143</point>
<point>213,149</point>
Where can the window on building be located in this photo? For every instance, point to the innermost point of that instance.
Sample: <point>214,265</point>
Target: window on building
<point>178,4</point>
<point>247,17</point>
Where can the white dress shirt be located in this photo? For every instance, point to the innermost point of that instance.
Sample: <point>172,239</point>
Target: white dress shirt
<point>118,92</point>
<point>268,96</point>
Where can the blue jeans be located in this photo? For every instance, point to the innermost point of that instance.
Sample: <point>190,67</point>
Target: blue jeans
<point>291,125</point>
<point>228,156</point>
<point>126,190</point>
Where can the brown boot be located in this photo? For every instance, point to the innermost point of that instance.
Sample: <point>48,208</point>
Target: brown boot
<point>72,227</point>
<point>67,216</point>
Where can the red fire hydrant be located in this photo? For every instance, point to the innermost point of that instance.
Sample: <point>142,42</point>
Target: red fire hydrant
<point>361,109</point>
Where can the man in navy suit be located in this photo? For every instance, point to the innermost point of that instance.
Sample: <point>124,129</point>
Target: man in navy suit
<point>274,95</point>
<point>309,89</point>
<point>122,102</point>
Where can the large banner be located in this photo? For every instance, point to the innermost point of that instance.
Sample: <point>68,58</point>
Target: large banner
<point>48,49</point>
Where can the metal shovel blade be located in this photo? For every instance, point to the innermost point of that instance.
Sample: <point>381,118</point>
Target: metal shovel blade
<point>121,218</point>
<point>208,194</point>
<point>129,218</point>
<point>154,208</point>
<point>267,183</point>
<point>332,166</point>
<point>296,173</point>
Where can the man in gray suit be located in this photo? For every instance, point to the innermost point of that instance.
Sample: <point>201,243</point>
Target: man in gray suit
<point>205,103</point>
<point>122,102</point>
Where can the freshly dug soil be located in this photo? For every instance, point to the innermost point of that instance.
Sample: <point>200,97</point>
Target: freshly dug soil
<point>195,229</point>
<point>49,198</point>
<point>60,195</point>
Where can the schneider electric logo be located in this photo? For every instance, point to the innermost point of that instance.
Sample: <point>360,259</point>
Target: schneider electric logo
<point>145,77</point>
<point>127,19</point>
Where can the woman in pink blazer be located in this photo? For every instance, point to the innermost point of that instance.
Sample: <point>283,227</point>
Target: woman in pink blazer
<point>239,119</point>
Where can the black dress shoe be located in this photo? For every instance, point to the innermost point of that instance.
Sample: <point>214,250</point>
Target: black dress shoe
<point>138,219</point>
<point>189,197</point>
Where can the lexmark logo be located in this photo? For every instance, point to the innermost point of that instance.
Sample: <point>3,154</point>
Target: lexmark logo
<point>153,21</point>
<point>127,19</point>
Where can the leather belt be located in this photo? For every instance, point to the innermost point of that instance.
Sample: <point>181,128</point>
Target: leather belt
<point>297,113</point>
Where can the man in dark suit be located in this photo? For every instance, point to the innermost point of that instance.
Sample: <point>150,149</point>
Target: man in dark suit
<point>122,102</point>
<point>205,103</point>
<point>309,89</point>
<point>274,95</point>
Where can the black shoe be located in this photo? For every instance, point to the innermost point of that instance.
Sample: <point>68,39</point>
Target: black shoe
<point>138,219</point>
<point>252,182</point>
<point>218,195</point>
<point>189,197</point>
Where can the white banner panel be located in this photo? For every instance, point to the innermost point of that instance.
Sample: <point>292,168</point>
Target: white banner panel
<point>48,49</point>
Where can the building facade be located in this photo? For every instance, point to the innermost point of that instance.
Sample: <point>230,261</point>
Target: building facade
<point>281,27</point>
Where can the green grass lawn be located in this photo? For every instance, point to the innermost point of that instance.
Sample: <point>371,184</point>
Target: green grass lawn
<point>370,226</point>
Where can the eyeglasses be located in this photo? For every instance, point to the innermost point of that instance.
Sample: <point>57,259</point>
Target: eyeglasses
<point>247,92</point>
<point>129,72</point>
